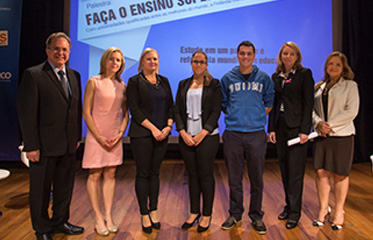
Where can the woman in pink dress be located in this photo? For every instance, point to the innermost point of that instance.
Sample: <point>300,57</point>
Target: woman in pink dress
<point>105,113</point>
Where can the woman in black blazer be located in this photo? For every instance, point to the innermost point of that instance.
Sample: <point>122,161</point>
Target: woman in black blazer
<point>197,110</point>
<point>150,102</point>
<point>291,117</point>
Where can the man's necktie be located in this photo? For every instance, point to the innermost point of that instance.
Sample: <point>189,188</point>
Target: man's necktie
<point>64,83</point>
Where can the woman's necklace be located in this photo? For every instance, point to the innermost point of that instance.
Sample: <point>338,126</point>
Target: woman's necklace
<point>153,81</point>
<point>329,84</point>
<point>151,78</point>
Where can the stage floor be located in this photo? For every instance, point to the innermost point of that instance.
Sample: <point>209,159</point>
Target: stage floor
<point>174,206</point>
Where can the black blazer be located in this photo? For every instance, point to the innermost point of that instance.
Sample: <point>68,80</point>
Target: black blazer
<point>140,104</point>
<point>297,97</point>
<point>211,105</point>
<point>49,121</point>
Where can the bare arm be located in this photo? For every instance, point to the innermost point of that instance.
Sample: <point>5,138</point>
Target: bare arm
<point>124,123</point>
<point>87,109</point>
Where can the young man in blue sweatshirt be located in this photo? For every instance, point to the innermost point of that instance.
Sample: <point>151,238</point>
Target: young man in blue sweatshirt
<point>247,98</point>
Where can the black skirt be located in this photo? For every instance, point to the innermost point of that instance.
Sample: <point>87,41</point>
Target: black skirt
<point>334,154</point>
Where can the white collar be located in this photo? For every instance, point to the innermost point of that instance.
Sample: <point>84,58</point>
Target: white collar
<point>282,74</point>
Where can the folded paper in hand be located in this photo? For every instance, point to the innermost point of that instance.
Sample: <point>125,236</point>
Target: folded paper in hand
<point>296,140</point>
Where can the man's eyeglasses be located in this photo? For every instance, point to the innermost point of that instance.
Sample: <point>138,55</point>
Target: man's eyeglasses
<point>57,50</point>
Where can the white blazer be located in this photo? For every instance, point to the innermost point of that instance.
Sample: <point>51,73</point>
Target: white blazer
<point>343,106</point>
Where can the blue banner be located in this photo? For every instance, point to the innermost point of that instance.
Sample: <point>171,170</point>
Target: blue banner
<point>100,20</point>
<point>10,25</point>
<point>177,28</point>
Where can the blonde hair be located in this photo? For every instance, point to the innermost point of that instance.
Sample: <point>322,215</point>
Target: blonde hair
<point>297,65</point>
<point>207,76</point>
<point>104,58</point>
<point>146,51</point>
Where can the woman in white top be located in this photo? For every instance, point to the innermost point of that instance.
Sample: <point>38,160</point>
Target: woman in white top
<point>336,106</point>
<point>197,111</point>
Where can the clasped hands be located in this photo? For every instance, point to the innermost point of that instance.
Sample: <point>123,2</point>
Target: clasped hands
<point>324,128</point>
<point>194,141</point>
<point>109,144</point>
<point>161,135</point>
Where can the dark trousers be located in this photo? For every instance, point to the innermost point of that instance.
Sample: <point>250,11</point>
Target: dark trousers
<point>199,162</point>
<point>237,147</point>
<point>148,154</point>
<point>292,161</point>
<point>58,171</point>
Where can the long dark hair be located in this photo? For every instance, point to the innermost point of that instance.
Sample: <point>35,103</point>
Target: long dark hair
<point>347,73</point>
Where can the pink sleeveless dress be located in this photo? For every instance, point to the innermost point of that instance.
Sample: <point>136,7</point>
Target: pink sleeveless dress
<point>107,115</point>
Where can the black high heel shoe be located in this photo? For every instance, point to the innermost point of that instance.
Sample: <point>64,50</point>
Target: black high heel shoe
<point>290,224</point>
<point>187,225</point>
<point>203,229</point>
<point>284,215</point>
<point>147,230</point>
<point>336,226</point>
<point>155,225</point>
<point>317,223</point>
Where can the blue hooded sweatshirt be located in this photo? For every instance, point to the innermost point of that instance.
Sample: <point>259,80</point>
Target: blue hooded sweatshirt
<point>244,102</point>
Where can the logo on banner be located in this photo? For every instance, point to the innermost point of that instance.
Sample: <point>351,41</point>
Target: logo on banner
<point>4,37</point>
<point>5,76</point>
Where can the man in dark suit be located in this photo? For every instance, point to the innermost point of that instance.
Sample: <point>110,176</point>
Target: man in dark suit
<point>49,109</point>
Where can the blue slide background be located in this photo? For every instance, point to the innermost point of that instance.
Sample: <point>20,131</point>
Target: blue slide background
<point>268,25</point>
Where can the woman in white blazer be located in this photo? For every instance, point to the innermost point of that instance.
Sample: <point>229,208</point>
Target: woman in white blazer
<point>336,106</point>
